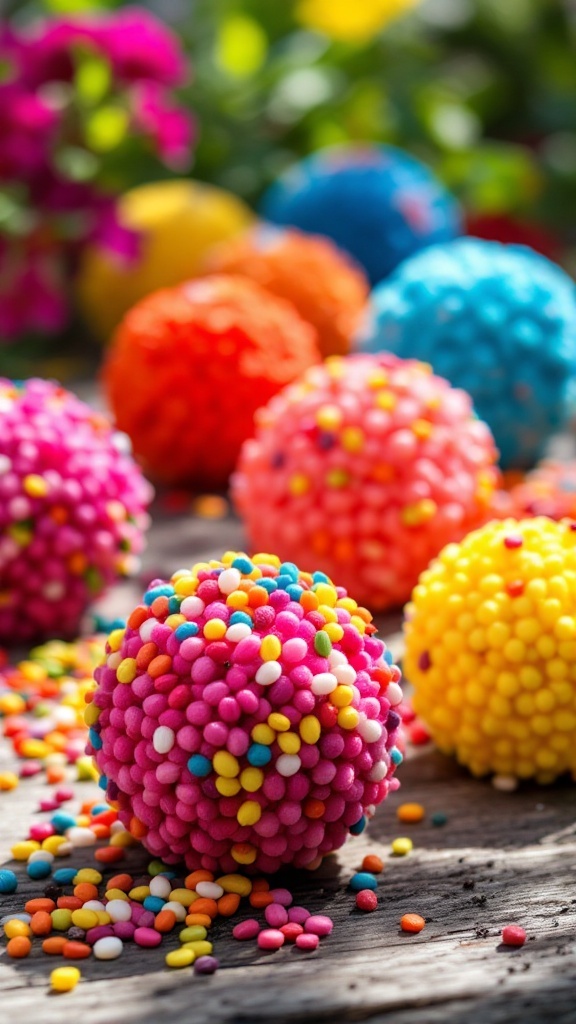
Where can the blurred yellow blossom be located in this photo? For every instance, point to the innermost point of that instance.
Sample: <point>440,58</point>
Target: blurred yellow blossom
<point>351,20</point>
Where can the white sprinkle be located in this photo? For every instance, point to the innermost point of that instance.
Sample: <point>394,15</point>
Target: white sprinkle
<point>378,772</point>
<point>288,764</point>
<point>192,607</point>
<point>163,739</point>
<point>323,683</point>
<point>370,730</point>
<point>337,658</point>
<point>229,580</point>
<point>345,674</point>
<point>119,910</point>
<point>108,948</point>
<point>54,590</point>
<point>393,693</point>
<point>44,855</point>
<point>95,905</point>
<point>5,464</point>
<point>505,783</point>
<point>210,890</point>
<point>79,836</point>
<point>177,909</point>
<point>117,826</point>
<point>268,673</point>
<point>146,629</point>
<point>113,660</point>
<point>160,886</point>
<point>239,631</point>
<point>16,917</point>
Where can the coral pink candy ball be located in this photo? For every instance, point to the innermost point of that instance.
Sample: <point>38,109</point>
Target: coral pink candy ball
<point>366,467</point>
<point>246,718</point>
<point>72,509</point>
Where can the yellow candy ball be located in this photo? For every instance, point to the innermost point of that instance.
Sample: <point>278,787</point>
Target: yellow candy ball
<point>178,222</point>
<point>352,22</point>
<point>490,649</point>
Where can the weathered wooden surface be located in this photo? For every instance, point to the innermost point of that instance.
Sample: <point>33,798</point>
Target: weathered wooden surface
<point>501,858</point>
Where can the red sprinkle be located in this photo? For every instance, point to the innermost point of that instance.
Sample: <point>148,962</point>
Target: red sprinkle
<point>366,900</point>
<point>513,935</point>
<point>307,941</point>
<point>292,930</point>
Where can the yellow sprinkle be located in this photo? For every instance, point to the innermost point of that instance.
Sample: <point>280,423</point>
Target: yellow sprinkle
<point>289,742</point>
<point>278,722</point>
<point>401,846</point>
<point>251,779</point>
<point>342,696</point>
<point>326,594</point>
<point>334,631</point>
<point>270,648</point>
<point>126,671</point>
<point>329,417</point>
<point>238,884</point>
<point>227,787</point>
<point>386,400</point>
<point>87,875</point>
<point>115,639</point>
<point>352,439</point>
<point>215,629</point>
<point>348,718</point>
<point>225,764</point>
<point>35,486</point>
<point>249,813</point>
<point>337,478</point>
<point>262,733</point>
<point>422,429</point>
<point>298,485</point>
<point>243,853</point>
<point>310,729</point>
<point>180,958</point>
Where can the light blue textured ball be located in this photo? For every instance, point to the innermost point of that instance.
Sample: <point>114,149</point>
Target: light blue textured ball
<point>377,202</point>
<point>498,321</point>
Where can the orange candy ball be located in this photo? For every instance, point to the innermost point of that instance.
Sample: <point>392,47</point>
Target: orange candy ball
<point>326,286</point>
<point>190,365</point>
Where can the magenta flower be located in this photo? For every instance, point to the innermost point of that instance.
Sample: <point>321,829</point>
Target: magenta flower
<point>43,131</point>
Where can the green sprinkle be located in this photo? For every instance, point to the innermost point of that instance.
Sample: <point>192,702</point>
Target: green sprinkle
<point>322,644</point>
<point>439,818</point>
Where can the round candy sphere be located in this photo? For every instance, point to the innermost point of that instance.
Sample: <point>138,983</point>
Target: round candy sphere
<point>496,320</point>
<point>176,223</point>
<point>245,716</point>
<point>490,645</point>
<point>190,365</point>
<point>323,283</point>
<point>72,509</point>
<point>366,467</point>
<point>549,490</point>
<point>376,202</point>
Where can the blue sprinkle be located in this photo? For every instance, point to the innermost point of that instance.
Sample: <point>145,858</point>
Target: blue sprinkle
<point>199,765</point>
<point>185,630</point>
<point>39,869</point>
<point>283,581</point>
<point>388,657</point>
<point>95,739</point>
<point>295,591</point>
<point>243,565</point>
<point>291,570</point>
<point>438,819</point>
<point>396,756</point>
<point>268,584</point>
<point>363,880</point>
<point>153,903</point>
<point>240,617</point>
<point>163,591</point>
<point>61,821</point>
<point>102,782</point>
<point>8,881</point>
<point>167,874</point>
<point>359,827</point>
<point>104,625</point>
<point>64,876</point>
<point>174,605</point>
<point>258,755</point>
<point>99,809</point>
<point>320,577</point>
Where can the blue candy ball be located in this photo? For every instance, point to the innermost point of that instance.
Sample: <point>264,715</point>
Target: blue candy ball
<point>377,202</point>
<point>498,321</point>
<point>8,881</point>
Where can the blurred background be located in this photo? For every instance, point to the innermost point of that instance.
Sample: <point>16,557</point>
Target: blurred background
<point>233,91</point>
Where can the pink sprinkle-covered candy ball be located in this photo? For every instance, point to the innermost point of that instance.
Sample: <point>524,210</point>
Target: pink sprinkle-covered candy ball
<point>72,509</point>
<point>245,716</point>
<point>366,467</point>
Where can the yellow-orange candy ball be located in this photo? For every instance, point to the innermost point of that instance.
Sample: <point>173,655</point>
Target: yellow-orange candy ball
<point>176,222</point>
<point>189,366</point>
<point>491,649</point>
<point>326,286</point>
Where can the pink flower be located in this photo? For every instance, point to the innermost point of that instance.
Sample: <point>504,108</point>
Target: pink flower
<point>170,128</point>
<point>32,290</point>
<point>140,47</point>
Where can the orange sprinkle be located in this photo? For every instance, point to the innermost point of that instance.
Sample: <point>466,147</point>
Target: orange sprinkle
<point>76,950</point>
<point>55,774</point>
<point>160,665</point>
<point>257,597</point>
<point>41,923</point>
<point>228,904</point>
<point>259,900</point>
<point>41,903</point>
<point>165,921</point>
<point>373,864</point>
<point>314,808</point>
<point>100,831</point>
<point>206,906</point>
<point>145,655</point>
<point>109,854</point>
<point>138,616</point>
<point>69,903</point>
<point>19,947</point>
<point>137,828</point>
<point>260,885</point>
<point>202,919</point>
<point>54,945</point>
<point>202,875</point>
<point>160,607</point>
<point>122,882</point>
<point>412,923</point>
<point>86,891</point>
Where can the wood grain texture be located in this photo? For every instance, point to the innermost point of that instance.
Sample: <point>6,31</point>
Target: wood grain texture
<point>501,858</point>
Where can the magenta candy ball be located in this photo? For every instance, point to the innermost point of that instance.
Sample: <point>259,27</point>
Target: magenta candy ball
<point>245,718</point>
<point>366,467</point>
<point>72,509</point>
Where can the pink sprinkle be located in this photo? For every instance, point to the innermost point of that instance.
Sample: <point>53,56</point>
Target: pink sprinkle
<point>29,769</point>
<point>292,931</point>
<point>513,935</point>
<point>48,805</point>
<point>147,937</point>
<point>307,941</point>
<point>513,540</point>
<point>63,794</point>
<point>298,914</point>
<point>41,830</point>
<point>270,938</point>
<point>246,929</point>
<point>282,896</point>
<point>276,915</point>
<point>318,924</point>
